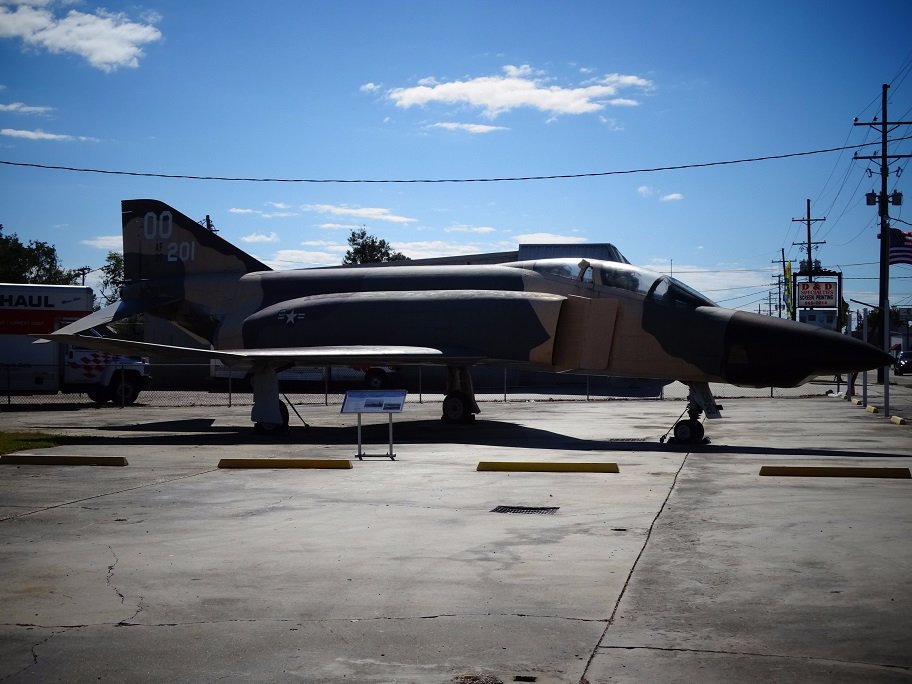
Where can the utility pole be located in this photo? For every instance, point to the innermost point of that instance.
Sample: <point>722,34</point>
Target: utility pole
<point>810,245</point>
<point>788,285</point>
<point>883,201</point>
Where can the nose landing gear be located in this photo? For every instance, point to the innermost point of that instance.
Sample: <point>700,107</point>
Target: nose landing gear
<point>690,430</point>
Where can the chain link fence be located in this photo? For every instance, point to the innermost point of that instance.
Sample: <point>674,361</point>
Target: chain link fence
<point>176,385</point>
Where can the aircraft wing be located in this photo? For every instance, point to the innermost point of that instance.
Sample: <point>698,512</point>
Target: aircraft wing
<point>280,356</point>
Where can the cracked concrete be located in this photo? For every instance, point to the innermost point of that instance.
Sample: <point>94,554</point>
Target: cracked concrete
<point>682,567</point>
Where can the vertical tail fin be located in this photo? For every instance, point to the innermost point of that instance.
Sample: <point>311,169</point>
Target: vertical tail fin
<point>175,268</point>
<point>160,242</point>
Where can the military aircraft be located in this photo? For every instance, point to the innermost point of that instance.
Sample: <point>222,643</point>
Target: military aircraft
<point>564,315</point>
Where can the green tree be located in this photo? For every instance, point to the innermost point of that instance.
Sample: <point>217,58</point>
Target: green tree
<point>111,278</point>
<point>367,249</point>
<point>36,262</point>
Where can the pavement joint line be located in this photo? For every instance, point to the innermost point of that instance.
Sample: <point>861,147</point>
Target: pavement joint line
<point>633,567</point>
<point>835,471</point>
<point>546,467</point>
<point>328,463</point>
<point>300,621</point>
<point>751,654</point>
<point>99,496</point>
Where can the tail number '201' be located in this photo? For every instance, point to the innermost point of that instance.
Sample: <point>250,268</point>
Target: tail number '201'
<point>160,227</point>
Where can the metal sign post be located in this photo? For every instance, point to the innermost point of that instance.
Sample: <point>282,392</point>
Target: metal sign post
<point>374,401</point>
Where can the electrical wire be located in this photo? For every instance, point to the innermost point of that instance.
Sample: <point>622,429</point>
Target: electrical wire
<point>144,174</point>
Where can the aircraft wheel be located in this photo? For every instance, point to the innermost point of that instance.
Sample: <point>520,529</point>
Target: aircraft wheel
<point>456,408</point>
<point>689,431</point>
<point>273,428</point>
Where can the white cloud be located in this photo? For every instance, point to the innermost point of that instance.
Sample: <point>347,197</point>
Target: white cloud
<point>109,243</point>
<point>366,213</point>
<point>369,88</point>
<point>22,108</point>
<point>538,238</point>
<point>468,128</point>
<point>339,226</point>
<point>672,197</point>
<point>260,237</point>
<point>646,191</point>
<point>107,40</point>
<point>522,87</point>
<point>332,246</point>
<point>43,135</point>
<point>430,249</point>
<point>299,258</point>
<point>265,214</point>
<point>477,230</point>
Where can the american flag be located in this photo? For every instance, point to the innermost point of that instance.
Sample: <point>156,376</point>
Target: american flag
<point>900,247</point>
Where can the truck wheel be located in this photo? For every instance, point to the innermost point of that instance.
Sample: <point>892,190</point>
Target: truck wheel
<point>100,395</point>
<point>124,388</point>
<point>375,379</point>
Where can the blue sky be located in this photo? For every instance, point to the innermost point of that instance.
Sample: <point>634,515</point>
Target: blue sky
<point>433,90</point>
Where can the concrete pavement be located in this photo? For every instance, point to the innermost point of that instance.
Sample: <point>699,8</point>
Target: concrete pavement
<point>684,566</point>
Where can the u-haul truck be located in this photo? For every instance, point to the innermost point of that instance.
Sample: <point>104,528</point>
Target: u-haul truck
<point>29,368</point>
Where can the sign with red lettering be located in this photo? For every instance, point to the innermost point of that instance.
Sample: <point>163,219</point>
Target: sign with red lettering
<point>820,294</point>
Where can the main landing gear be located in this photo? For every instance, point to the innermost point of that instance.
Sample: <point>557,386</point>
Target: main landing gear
<point>269,414</point>
<point>459,405</point>
<point>699,400</point>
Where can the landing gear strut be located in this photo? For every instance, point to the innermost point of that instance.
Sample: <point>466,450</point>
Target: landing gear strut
<point>699,400</point>
<point>269,414</point>
<point>459,405</point>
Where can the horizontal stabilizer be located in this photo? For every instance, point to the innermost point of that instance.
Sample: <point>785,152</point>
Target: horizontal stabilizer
<point>113,312</point>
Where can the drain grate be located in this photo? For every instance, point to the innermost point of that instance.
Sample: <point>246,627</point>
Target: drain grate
<point>533,510</point>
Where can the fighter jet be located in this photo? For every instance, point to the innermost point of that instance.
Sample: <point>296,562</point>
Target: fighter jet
<point>563,315</point>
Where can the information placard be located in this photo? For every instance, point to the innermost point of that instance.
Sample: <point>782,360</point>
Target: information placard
<point>374,401</point>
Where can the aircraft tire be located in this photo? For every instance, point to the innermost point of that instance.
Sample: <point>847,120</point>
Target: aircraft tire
<point>273,428</point>
<point>456,408</point>
<point>689,431</point>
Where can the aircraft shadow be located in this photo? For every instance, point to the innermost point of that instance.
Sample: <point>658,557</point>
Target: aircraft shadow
<point>201,431</point>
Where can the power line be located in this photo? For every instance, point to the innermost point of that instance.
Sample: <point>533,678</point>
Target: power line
<point>680,167</point>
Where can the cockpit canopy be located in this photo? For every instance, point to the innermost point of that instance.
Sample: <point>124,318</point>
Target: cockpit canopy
<point>660,288</point>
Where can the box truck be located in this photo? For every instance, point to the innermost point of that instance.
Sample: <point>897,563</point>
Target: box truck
<point>49,368</point>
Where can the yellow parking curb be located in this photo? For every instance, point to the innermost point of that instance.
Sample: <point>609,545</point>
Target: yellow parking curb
<point>897,420</point>
<point>873,409</point>
<point>834,471</point>
<point>547,467</point>
<point>30,459</point>
<point>331,463</point>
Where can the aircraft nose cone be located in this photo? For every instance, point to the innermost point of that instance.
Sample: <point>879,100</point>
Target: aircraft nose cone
<point>770,352</point>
